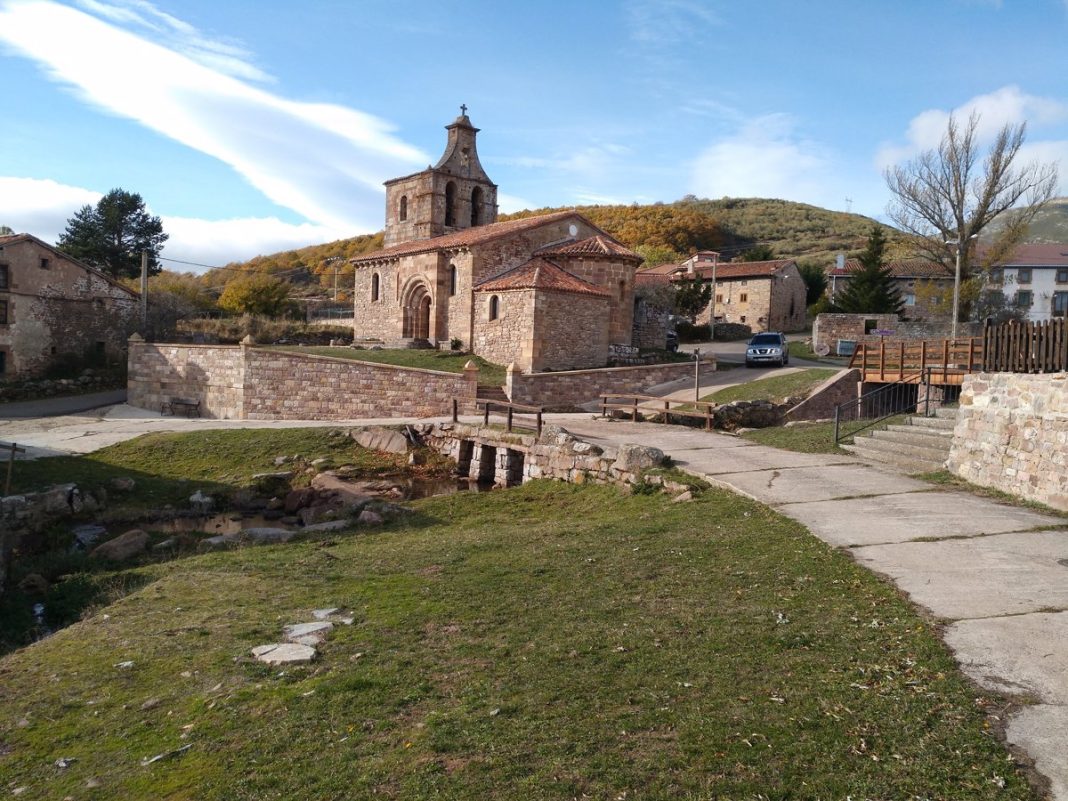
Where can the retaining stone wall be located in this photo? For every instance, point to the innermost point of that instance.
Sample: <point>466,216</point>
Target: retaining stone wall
<point>240,382</point>
<point>829,328</point>
<point>819,405</point>
<point>574,387</point>
<point>1012,435</point>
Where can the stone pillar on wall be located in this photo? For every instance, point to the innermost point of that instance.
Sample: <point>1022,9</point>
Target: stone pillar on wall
<point>509,380</point>
<point>471,379</point>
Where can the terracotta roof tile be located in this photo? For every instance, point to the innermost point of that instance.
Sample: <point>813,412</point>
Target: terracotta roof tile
<point>738,269</point>
<point>1054,255</point>
<point>466,237</point>
<point>540,273</point>
<point>661,269</point>
<point>648,278</point>
<point>905,268</point>
<point>598,245</point>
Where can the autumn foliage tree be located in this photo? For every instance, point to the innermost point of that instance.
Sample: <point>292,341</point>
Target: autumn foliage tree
<point>256,293</point>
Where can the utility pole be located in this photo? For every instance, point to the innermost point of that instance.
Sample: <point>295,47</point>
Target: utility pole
<point>335,282</point>
<point>696,374</point>
<point>144,294</point>
<point>712,317</point>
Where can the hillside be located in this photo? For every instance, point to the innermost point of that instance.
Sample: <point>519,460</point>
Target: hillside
<point>1050,224</point>
<point>660,231</point>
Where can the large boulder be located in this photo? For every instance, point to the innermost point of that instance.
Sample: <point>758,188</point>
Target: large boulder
<point>345,494</point>
<point>635,458</point>
<point>377,438</point>
<point>123,547</point>
<point>297,499</point>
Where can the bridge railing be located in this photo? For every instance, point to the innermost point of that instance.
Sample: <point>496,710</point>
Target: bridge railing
<point>515,415</point>
<point>638,405</point>
<point>945,360</point>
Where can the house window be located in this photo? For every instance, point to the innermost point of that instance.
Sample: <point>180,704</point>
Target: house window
<point>1023,299</point>
<point>452,279</point>
<point>494,307</point>
<point>99,347</point>
<point>742,318</point>
<point>450,203</point>
<point>1023,275</point>
<point>3,312</point>
<point>1060,304</point>
<point>374,287</point>
<point>745,283</point>
<point>1062,276</point>
<point>476,206</point>
<point>910,299</point>
<point>44,262</point>
<point>743,298</point>
<point>3,276</point>
<point>3,362</point>
<point>719,298</point>
<point>403,208</point>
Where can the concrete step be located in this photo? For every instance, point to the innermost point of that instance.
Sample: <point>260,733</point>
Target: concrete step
<point>931,439</point>
<point>894,460</point>
<point>943,423</point>
<point>947,412</point>
<point>873,445</point>
<point>908,428</point>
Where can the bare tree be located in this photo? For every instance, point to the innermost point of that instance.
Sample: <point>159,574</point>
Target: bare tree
<point>948,195</point>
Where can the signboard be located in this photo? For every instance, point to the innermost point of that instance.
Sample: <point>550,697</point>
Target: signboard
<point>846,347</point>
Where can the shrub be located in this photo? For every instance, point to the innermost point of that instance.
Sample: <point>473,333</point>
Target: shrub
<point>688,332</point>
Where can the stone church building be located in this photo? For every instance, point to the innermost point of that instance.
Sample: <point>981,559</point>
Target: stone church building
<point>550,292</point>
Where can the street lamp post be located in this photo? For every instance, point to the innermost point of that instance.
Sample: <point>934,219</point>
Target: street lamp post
<point>956,282</point>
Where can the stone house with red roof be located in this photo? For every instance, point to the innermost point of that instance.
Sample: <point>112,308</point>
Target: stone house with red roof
<point>549,292</point>
<point>917,280</point>
<point>52,305</point>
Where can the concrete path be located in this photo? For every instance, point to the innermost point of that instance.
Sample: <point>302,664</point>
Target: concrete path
<point>996,575</point>
<point>68,404</point>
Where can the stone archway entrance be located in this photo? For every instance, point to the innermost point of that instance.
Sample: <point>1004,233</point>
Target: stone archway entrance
<point>417,312</point>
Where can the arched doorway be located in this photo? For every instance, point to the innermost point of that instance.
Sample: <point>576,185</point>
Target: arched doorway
<point>417,312</point>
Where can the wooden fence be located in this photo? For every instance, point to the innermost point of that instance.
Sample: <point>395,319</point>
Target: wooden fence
<point>1016,347</point>
<point>940,361</point>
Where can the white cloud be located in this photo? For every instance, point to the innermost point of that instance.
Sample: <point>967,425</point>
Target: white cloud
<point>765,157</point>
<point>508,204</point>
<point>661,23</point>
<point>325,162</point>
<point>42,208</point>
<point>1007,105</point>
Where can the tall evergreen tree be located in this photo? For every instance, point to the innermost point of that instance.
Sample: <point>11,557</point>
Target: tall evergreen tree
<point>871,289</point>
<point>111,235</point>
<point>691,297</point>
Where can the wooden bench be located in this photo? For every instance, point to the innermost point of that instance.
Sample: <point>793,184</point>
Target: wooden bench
<point>175,405</point>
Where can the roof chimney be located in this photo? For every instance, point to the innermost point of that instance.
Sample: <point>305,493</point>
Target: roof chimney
<point>839,261</point>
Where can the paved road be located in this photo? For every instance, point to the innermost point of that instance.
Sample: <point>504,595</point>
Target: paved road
<point>53,407</point>
<point>988,571</point>
<point>994,574</point>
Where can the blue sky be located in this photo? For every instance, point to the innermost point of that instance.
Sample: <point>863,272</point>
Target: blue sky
<point>252,127</point>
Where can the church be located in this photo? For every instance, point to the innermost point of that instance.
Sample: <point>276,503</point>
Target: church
<point>550,292</point>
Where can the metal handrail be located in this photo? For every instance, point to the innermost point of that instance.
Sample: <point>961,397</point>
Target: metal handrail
<point>886,396</point>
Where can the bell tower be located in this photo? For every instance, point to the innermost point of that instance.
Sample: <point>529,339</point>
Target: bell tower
<point>452,195</point>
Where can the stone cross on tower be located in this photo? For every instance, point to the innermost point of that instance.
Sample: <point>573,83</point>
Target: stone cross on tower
<point>463,109</point>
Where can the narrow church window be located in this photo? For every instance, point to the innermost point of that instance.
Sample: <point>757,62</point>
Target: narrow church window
<point>450,203</point>
<point>3,312</point>
<point>374,287</point>
<point>476,206</point>
<point>403,208</point>
<point>622,289</point>
<point>494,307</point>
<point>3,276</point>
<point>452,279</point>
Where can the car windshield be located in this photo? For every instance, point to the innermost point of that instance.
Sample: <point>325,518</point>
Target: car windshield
<point>765,339</point>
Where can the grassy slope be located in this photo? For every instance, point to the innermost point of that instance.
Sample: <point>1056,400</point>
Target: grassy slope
<point>773,388</point>
<point>548,642</point>
<point>489,374</point>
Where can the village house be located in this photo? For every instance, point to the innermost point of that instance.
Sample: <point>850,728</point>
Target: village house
<point>549,292</point>
<point>1035,281</point>
<point>52,305</point>
<point>764,295</point>
<point>919,282</point>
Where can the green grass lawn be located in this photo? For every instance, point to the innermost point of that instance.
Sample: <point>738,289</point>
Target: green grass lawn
<point>775,387</point>
<point>802,350</point>
<point>811,438</point>
<point>550,641</point>
<point>489,374</point>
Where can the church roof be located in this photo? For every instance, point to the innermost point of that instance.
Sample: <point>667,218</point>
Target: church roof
<point>540,273</point>
<point>466,237</point>
<point>593,246</point>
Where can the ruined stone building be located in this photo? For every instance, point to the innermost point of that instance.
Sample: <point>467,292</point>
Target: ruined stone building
<point>550,292</point>
<point>52,305</point>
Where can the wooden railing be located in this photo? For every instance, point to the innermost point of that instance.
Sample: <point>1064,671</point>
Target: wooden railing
<point>1018,347</point>
<point>945,360</point>
<point>508,411</point>
<point>637,405</point>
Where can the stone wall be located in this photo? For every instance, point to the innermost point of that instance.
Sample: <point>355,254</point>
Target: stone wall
<point>819,405</point>
<point>211,374</point>
<point>651,324</point>
<point>570,331</point>
<point>574,387</point>
<point>615,275</point>
<point>241,382</point>
<point>773,303</point>
<point>827,329</point>
<point>1012,435</point>
<point>507,339</point>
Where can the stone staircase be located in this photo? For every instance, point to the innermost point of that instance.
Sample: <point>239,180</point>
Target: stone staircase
<point>918,445</point>
<point>492,394</point>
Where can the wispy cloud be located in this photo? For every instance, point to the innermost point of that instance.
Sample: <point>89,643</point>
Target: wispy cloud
<point>664,23</point>
<point>325,162</point>
<point>765,157</point>
<point>1007,105</point>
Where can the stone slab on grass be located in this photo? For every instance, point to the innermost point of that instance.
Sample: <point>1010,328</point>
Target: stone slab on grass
<point>284,653</point>
<point>1032,649</point>
<point>307,633</point>
<point>1005,574</point>
<point>381,439</point>
<point>1042,731</point>
<point>806,484</point>
<point>912,516</point>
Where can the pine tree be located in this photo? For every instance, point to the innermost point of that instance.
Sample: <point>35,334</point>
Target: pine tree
<point>871,289</point>
<point>111,235</point>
